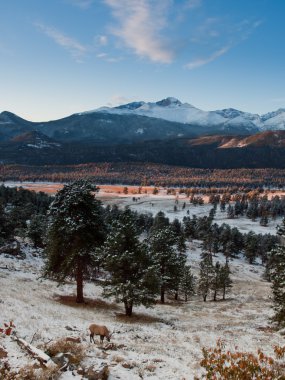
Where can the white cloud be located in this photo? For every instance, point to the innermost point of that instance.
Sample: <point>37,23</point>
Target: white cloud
<point>101,40</point>
<point>214,34</point>
<point>117,100</point>
<point>107,58</point>
<point>140,23</point>
<point>75,48</point>
<point>203,61</point>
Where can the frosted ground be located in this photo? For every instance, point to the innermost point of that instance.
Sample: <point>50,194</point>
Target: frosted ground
<point>164,342</point>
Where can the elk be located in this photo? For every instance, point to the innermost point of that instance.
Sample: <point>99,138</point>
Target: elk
<point>99,330</point>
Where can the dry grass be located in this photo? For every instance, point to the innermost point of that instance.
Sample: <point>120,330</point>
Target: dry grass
<point>118,359</point>
<point>137,318</point>
<point>76,350</point>
<point>29,372</point>
<point>70,300</point>
<point>150,367</point>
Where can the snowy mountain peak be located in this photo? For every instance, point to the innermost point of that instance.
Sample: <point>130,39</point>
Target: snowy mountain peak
<point>229,113</point>
<point>130,106</point>
<point>269,115</point>
<point>169,102</point>
<point>172,109</point>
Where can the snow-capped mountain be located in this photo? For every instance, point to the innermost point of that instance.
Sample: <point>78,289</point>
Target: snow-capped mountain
<point>171,109</point>
<point>274,120</point>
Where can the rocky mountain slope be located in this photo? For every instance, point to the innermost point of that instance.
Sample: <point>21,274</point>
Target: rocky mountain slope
<point>167,132</point>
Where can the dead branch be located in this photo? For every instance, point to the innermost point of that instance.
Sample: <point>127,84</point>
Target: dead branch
<point>36,353</point>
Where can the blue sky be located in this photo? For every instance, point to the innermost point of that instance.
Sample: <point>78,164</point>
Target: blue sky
<point>58,57</point>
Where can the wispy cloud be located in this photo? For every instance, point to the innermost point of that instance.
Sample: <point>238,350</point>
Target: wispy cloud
<point>140,23</point>
<point>101,40</point>
<point>75,48</point>
<point>117,100</point>
<point>218,38</point>
<point>107,58</point>
<point>203,61</point>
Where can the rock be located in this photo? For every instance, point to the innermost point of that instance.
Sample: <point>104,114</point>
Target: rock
<point>3,353</point>
<point>73,339</point>
<point>11,248</point>
<point>61,359</point>
<point>97,373</point>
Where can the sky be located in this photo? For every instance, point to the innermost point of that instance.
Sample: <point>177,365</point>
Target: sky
<point>59,57</point>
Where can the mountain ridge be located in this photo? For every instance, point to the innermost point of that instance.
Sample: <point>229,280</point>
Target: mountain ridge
<point>126,136</point>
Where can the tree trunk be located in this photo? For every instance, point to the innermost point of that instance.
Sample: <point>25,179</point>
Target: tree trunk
<point>205,297</point>
<point>215,295</point>
<point>128,308</point>
<point>176,295</point>
<point>224,293</point>
<point>162,292</point>
<point>79,283</point>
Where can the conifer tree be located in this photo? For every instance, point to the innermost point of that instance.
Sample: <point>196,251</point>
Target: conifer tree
<point>264,220</point>
<point>160,221</point>
<point>187,282</point>
<point>76,229</point>
<point>162,246</point>
<point>277,274</point>
<point>37,229</point>
<point>216,280</point>
<point>134,279</point>
<point>206,276</point>
<point>250,247</point>
<point>225,280</point>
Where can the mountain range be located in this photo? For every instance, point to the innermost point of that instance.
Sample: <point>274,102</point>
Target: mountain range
<point>140,131</point>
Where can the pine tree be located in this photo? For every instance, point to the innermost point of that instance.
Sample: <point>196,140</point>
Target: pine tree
<point>206,276</point>
<point>225,280</point>
<point>251,246</point>
<point>133,274</point>
<point>216,280</point>
<point>76,229</point>
<point>37,229</point>
<point>277,274</point>
<point>162,246</point>
<point>231,212</point>
<point>187,282</point>
<point>281,232</point>
<point>160,221</point>
<point>264,220</point>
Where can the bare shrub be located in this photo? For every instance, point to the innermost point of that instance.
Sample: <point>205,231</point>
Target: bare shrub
<point>222,364</point>
<point>29,372</point>
<point>118,359</point>
<point>150,367</point>
<point>76,350</point>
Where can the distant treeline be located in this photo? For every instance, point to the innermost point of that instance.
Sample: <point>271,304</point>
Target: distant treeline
<point>144,174</point>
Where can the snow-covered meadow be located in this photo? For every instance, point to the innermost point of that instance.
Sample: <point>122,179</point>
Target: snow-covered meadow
<point>163,342</point>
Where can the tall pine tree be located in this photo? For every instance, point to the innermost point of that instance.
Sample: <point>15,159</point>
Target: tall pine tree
<point>76,228</point>
<point>133,275</point>
<point>162,246</point>
<point>277,274</point>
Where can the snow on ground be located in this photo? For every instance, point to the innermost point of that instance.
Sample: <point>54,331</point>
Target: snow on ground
<point>149,203</point>
<point>163,342</point>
